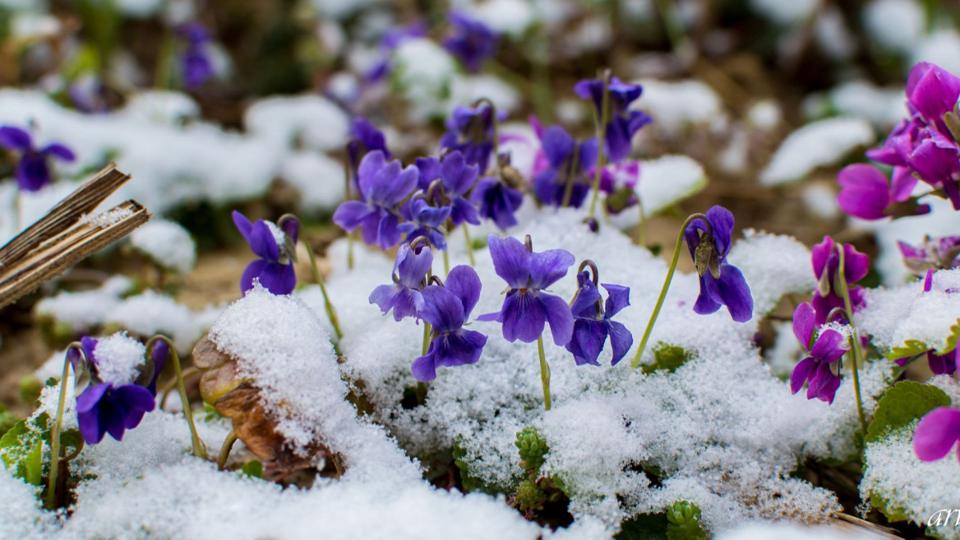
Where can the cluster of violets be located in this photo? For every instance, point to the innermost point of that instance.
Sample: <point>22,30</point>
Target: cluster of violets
<point>925,146</point>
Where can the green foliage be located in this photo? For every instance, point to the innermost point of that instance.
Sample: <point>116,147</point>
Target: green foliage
<point>7,420</point>
<point>667,357</point>
<point>30,388</point>
<point>252,468</point>
<point>683,519</point>
<point>530,498</point>
<point>901,404</point>
<point>468,481</point>
<point>533,450</point>
<point>21,449</point>
<point>210,414</point>
<point>914,347</point>
<point>892,513</point>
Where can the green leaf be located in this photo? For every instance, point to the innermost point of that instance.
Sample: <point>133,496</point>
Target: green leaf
<point>901,404</point>
<point>252,468</point>
<point>533,450</point>
<point>683,522</point>
<point>12,436</point>
<point>892,513</point>
<point>914,347</point>
<point>667,357</point>
<point>33,465</point>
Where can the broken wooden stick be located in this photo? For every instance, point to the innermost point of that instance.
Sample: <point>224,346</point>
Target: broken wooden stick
<point>67,234</point>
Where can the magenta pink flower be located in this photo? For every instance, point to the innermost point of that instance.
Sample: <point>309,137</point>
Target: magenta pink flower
<point>937,434</point>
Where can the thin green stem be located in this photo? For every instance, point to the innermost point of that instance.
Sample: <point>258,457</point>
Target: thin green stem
<point>188,373</point>
<point>677,247</point>
<point>604,117</point>
<point>642,226</point>
<point>327,304</point>
<point>225,449</point>
<point>426,339</point>
<point>544,373</point>
<point>571,176</point>
<point>469,244</point>
<point>854,338</point>
<point>350,251</point>
<point>199,449</point>
<point>446,261</point>
<point>51,500</point>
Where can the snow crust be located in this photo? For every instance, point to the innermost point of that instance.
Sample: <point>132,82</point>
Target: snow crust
<point>118,358</point>
<point>817,144</point>
<point>167,243</point>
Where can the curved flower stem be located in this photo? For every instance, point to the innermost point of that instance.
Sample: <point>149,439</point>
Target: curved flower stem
<point>225,449</point>
<point>188,373</point>
<point>327,304</point>
<point>854,339</point>
<point>469,244</point>
<point>446,260</point>
<point>544,373</point>
<point>426,338</point>
<point>666,286</point>
<point>601,155</point>
<point>51,500</point>
<point>199,449</point>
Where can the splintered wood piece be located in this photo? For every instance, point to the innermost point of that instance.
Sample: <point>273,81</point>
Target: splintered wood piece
<point>67,234</point>
<point>84,200</point>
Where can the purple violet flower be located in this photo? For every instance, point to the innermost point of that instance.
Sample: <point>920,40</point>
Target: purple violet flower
<point>865,192</point>
<point>942,364</point>
<point>33,169</point>
<point>457,178</point>
<point>388,43</point>
<point>410,270</point>
<point>470,130</point>
<point>821,367</point>
<point>104,408</point>
<point>424,221</point>
<point>825,257</point>
<point>470,40</point>
<point>497,201</point>
<point>383,185</point>
<point>527,308</point>
<point>592,322</point>
<point>195,62</point>
<point>447,308</point>
<point>275,249</point>
<point>622,123</point>
<point>721,283</point>
<point>937,434</point>
<point>932,92</point>
<point>567,161</point>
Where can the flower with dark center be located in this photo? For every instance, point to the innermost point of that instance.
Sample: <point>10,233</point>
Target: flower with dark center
<point>528,307</point>
<point>447,308</point>
<point>721,283</point>
<point>410,271</point>
<point>592,320</point>
<point>457,178</point>
<point>33,168</point>
<point>821,367</point>
<point>275,248</point>
<point>383,185</point>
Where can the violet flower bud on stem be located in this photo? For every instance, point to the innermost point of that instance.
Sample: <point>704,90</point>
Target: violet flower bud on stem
<point>199,449</point>
<point>666,285</point>
<point>51,500</point>
<point>854,339</point>
<point>601,157</point>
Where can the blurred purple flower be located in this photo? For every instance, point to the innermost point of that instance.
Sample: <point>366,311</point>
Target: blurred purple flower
<point>274,247</point>
<point>196,64</point>
<point>447,308</point>
<point>470,40</point>
<point>567,162</point>
<point>527,308</point>
<point>622,123</point>
<point>388,43</point>
<point>364,138</point>
<point>33,168</point>
<point>865,192</point>
<point>619,182</point>
<point>941,253</point>
<point>470,130</point>
<point>383,185</point>
<point>497,201</point>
